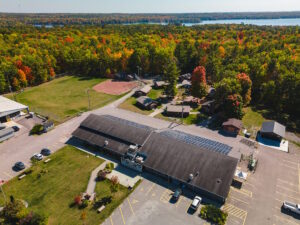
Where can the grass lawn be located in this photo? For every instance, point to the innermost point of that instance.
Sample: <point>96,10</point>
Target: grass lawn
<point>129,105</point>
<point>64,97</point>
<point>155,93</point>
<point>252,120</point>
<point>52,187</point>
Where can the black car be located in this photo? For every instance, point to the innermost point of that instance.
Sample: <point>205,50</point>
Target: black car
<point>177,194</point>
<point>15,128</point>
<point>46,152</point>
<point>19,166</point>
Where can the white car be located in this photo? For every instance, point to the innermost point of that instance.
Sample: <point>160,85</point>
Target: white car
<point>37,156</point>
<point>196,202</point>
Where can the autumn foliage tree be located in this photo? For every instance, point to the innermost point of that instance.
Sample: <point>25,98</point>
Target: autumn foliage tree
<point>246,85</point>
<point>233,106</point>
<point>199,86</point>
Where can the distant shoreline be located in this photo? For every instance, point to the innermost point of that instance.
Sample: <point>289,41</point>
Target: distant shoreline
<point>140,18</point>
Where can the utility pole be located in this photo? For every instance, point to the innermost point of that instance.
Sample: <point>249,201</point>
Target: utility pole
<point>9,87</point>
<point>88,94</point>
<point>1,183</point>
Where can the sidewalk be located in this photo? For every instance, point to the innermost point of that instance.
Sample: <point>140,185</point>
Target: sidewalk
<point>93,179</point>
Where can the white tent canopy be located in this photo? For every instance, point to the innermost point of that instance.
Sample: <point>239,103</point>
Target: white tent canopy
<point>8,106</point>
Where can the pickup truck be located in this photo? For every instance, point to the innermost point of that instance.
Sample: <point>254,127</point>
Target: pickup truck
<point>291,207</point>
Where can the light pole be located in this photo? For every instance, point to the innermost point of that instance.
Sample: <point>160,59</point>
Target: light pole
<point>88,94</point>
<point>1,183</point>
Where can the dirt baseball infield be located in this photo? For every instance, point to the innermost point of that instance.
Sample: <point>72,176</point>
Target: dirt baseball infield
<point>113,87</point>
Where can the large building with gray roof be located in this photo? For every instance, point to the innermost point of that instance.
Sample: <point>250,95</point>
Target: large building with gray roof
<point>202,165</point>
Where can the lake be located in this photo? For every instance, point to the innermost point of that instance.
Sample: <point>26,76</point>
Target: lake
<point>259,22</point>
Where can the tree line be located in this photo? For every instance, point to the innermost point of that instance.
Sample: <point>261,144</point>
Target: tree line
<point>269,56</point>
<point>121,18</point>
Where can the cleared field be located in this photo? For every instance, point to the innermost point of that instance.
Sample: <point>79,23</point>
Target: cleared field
<point>51,188</point>
<point>64,97</point>
<point>113,87</point>
<point>252,120</point>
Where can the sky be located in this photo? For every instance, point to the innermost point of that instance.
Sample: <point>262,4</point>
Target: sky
<point>146,6</point>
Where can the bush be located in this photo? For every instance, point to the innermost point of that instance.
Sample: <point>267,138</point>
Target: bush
<point>101,175</point>
<point>213,214</point>
<point>109,167</point>
<point>77,200</point>
<point>84,204</point>
<point>37,129</point>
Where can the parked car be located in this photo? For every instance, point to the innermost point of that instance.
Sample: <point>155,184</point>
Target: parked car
<point>37,156</point>
<point>19,166</point>
<point>177,194</point>
<point>15,128</point>
<point>292,207</point>
<point>45,152</point>
<point>196,202</point>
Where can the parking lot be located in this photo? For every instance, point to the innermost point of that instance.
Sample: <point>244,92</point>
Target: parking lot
<point>276,179</point>
<point>151,204</point>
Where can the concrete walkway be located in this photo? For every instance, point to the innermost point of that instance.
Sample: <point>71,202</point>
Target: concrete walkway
<point>93,179</point>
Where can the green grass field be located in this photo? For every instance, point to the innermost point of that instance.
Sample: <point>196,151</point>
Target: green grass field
<point>252,120</point>
<point>53,191</point>
<point>64,97</point>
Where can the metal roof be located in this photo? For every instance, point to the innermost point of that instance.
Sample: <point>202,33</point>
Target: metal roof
<point>8,106</point>
<point>233,122</point>
<point>175,154</point>
<point>178,108</point>
<point>273,127</point>
<point>126,131</point>
<point>178,159</point>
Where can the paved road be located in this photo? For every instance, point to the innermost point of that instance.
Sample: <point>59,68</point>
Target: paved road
<point>23,146</point>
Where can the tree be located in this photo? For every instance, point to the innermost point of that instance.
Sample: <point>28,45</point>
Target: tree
<point>233,106</point>
<point>170,75</point>
<point>77,200</point>
<point>199,87</point>
<point>246,85</point>
<point>226,87</point>
<point>14,211</point>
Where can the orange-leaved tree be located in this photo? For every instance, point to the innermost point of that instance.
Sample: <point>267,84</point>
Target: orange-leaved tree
<point>199,86</point>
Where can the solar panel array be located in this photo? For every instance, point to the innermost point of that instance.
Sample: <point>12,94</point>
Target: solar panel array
<point>129,123</point>
<point>198,141</point>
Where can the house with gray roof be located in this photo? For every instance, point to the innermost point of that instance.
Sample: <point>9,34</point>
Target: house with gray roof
<point>146,103</point>
<point>272,130</point>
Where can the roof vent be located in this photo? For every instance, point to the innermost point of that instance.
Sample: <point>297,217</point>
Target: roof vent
<point>191,177</point>
<point>219,181</point>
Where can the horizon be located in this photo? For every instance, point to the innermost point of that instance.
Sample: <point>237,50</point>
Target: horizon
<point>146,7</point>
<point>152,13</point>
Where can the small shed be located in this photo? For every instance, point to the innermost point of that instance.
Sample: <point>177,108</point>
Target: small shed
<point>159,84</point>
<point>272,130</point>
<point>208,107</point>
<point>143,91</point>
<point>48,126</point>
<point>178,110</point>
<point>186,76</point>
<point>6,134</point>
<point>232,126</point>
<point>145,102</point>
<point>191,101</point>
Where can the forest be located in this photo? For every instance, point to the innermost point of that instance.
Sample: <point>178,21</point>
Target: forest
<point>233,56</point>
<point>7,19</point>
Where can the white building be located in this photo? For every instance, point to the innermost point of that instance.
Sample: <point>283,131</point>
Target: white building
<point>10,109</point>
